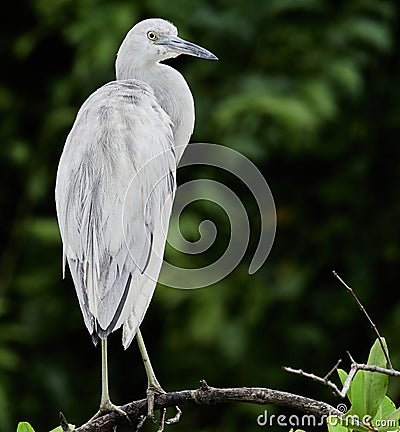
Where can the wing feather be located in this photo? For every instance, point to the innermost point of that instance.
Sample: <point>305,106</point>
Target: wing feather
<point>113,181</point>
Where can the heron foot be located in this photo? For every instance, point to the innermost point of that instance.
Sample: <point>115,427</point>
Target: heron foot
<point>107,407</point>
<point>152,391</point>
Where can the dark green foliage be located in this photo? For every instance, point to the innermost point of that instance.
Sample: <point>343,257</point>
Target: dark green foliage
<point>309,90</point>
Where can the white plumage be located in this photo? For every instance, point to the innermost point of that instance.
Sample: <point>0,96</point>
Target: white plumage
<point>112,159</point>
<point>116,181</point>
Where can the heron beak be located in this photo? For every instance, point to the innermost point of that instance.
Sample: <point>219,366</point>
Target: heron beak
<point>180,46</point>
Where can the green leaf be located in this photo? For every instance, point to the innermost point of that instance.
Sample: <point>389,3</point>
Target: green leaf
<point>368,389</point>
<point>370,32</point>
<point>24,427</point>
<point>350,421</point>
<point>395,415</point>
<point>387,416</point>
<point>386,408</point>
<point>376,384</point>
<point>342,375</point>
<point>353,422</point>
<point>357,395</point>
<point>376,355</point>
<point>59,428</point>
<point>334,425</point>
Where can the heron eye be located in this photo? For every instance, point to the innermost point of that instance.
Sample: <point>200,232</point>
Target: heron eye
<point>151,35</point>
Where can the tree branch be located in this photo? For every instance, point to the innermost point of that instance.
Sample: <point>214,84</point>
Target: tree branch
<point>355,367</point>
<point>373,368</point>
<point>324,380</point>
<point>206,395</point>
<point>363,310</point>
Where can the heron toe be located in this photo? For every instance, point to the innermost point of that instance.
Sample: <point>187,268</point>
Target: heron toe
<point>107,407</point>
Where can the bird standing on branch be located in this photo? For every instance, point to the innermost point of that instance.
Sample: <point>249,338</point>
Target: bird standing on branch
<point>116,183</point>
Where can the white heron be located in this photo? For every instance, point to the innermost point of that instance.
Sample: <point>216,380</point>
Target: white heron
<point>116,180</point>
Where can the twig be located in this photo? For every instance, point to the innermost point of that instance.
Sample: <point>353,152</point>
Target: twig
<point>325,381</point>
<point>63,423</point>
<point>334,369</point>
<point>373,326</point>
<point>346,385</point>
<point>314,377</point>
<point>373,368</point>
<point>207,395</point>
<point>355,367</point>
<point>348,380</point>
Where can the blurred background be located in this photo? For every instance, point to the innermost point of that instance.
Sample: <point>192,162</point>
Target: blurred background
<point>309,90</point>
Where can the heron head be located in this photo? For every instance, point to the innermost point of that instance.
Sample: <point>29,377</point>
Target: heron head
<point>155,40</point>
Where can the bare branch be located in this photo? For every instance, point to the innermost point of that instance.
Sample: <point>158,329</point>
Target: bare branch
<point>334,369</point>
<point>373,326</point>
<point>316,378</point>
<point>355,367</point>
<point>346,385</point>
<point>63,423</point>
<point>373,368</point>
<point>207,395</point>
<point>348,380</point>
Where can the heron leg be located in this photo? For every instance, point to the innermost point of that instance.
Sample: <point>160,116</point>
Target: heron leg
<point>151,376</point>
<point>153,386</point>
<point>105,402</point>
<point>106,406</point>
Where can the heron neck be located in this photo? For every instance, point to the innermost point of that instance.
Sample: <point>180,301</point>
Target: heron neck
<point>173,95</point>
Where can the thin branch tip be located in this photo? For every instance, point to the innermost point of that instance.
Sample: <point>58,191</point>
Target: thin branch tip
<point>372,324</point>
<point>204,385</point>
<point>334,369</point>
<point>63,422</point>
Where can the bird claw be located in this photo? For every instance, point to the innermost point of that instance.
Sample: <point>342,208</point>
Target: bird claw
<point>108,407</point>
<point>162,420</point>
<point>152,391</point>
<point>176,417</point>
